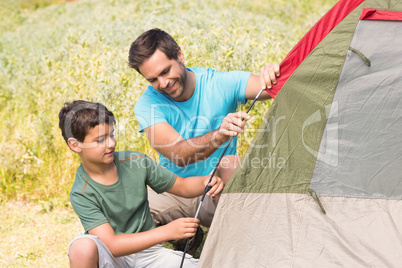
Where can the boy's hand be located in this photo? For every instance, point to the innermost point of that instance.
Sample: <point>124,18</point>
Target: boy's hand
<point>182,228</point>
<point>216,185</point>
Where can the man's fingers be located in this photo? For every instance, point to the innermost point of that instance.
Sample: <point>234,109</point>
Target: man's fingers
<point>268,75</point>
<point>277,69</point>
<point>262,82</point>
<point>238,115</point>
<point>267,78</point>
<point>231,133</point>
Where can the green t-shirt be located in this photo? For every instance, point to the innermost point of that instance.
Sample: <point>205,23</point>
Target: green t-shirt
<point>124,204</point>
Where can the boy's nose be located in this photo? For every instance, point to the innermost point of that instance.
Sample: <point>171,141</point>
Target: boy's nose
<point>111,142</point>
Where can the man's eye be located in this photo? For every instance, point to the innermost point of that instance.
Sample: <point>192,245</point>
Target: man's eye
<point>101,140</point>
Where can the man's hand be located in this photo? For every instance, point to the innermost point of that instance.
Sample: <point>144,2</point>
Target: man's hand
<point>268,74</point>
<point>181,228</point>
<point>232,125</point>
<point>216,185</point>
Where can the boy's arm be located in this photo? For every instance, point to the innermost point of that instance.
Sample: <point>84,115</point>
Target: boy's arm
<point>194,186</point>
<point>125,244</point>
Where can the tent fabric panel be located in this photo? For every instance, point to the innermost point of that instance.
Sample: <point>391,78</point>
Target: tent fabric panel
<point>367,118</point>
<point>289,230</point>
<point>391,5</point>
<point>282,156</point>
<point>374,14</point>
<point>304,47</point>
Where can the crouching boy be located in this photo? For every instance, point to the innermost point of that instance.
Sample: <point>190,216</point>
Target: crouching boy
<point>109,195</point>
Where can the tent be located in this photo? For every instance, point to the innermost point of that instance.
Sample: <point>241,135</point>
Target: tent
<point>321,184</point>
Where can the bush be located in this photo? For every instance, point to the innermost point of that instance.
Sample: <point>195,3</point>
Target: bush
<point>50,54</point>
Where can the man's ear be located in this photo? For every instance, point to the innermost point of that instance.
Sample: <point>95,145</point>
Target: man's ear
<point>74,145</point>
<point>180,56</point>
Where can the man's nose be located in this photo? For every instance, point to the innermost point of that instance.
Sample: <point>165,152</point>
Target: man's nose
<point>163,82</point>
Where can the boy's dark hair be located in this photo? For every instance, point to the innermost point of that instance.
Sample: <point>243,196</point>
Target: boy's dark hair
<point>78,117</point>
<point>146,45</point>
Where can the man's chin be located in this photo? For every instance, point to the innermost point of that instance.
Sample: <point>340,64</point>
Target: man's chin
<point>175,94</point>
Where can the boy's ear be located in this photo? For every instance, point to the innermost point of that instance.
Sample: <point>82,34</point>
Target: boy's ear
<point>74,145</point>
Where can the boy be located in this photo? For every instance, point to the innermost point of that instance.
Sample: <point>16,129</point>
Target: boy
<point>109,195</point>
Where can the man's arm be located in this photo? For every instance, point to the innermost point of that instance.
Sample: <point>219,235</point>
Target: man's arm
<point>267,77</point>
<point>167,141</point>
<point>125,244</point>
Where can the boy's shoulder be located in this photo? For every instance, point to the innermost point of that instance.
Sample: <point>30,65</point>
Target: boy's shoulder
<point>124,159</point>
<point>124,156</point>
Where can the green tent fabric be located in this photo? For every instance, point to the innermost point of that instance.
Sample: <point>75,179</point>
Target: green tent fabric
<point>321,184</point>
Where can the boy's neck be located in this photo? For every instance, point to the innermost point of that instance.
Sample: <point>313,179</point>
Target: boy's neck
<point>103,174</point>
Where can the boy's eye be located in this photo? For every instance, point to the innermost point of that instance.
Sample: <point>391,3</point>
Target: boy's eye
<point>101,140</point>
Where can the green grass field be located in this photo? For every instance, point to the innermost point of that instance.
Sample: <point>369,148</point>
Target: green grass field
<point>53,51</point>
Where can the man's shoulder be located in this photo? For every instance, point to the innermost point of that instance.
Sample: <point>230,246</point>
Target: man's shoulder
<point>202,71</point>
<point>149,97</point>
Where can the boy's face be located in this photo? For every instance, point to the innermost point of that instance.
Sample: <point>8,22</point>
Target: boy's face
<point>99,145</point>
<point>165,75</point>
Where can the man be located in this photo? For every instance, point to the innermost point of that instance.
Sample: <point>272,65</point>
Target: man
<point>188,115</point>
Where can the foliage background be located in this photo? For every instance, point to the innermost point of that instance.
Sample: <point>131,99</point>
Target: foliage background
<point>50,54</point>
<point>53,51</point>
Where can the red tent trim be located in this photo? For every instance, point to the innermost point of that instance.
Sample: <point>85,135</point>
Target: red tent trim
<point>374,14</point>
<point>311,39</point>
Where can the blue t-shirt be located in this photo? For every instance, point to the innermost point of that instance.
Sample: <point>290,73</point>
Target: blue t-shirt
<point>216,94</point>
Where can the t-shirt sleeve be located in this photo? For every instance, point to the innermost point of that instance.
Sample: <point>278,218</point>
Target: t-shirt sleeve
<point>149,111</point>
<point>234,83</point>
<point>159,178</point>
<point>88,212</point>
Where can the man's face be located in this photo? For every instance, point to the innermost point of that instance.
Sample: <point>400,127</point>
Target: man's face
<point>166,76</point>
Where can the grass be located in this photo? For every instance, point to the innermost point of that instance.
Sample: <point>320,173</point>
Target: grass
<point>34,237</point>
<point>53,51</point>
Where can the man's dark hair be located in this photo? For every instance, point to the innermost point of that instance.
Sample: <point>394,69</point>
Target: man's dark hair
<point>146,45</point>
<point>78,117</point>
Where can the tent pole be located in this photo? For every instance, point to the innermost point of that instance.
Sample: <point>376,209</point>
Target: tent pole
<point>207,188</point>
